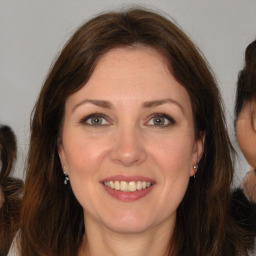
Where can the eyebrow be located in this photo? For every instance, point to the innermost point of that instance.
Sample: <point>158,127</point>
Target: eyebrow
<point>155,103</point>
<point>99,103</point>
<point>147,104</point>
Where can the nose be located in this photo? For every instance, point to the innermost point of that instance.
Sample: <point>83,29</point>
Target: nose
<point>128,147</point>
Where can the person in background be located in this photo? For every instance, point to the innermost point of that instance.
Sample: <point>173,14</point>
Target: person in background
<point>244,199</point>
<point>10,190</point>
<point>245,112</point>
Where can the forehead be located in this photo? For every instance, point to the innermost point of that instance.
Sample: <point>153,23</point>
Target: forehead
<point>132,62</point>
<point>135,75</point>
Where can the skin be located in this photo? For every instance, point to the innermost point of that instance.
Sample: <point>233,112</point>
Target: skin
<point>246,137</point>
<point>249,186</point>
<point>128,142</point>
<point>246,132</point>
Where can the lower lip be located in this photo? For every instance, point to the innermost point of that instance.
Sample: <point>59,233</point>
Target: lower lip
<point>128,196</point>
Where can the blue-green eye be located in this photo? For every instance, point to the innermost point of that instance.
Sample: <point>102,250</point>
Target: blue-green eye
<point>161,120</point>
<point>95,120</point>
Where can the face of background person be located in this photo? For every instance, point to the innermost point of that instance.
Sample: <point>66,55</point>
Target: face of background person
<point>245,129</point>
<point>130,126</point>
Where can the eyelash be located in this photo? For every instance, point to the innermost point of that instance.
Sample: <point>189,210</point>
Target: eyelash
<point>94,115</point>
<point>156,115</point>
<point>162,115</point>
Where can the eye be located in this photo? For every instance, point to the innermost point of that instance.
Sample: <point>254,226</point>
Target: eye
<point>161,120</point>
<point>95,120</point>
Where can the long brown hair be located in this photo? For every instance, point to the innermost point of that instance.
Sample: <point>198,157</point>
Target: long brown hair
<point>11,189</point>
<point>52,217</point>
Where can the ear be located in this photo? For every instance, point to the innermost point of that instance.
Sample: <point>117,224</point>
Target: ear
<point>198,152</point>
<point>62,156</point>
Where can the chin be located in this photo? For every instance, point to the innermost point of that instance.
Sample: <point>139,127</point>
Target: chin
<point>125,228</point>
<point>129,224</point>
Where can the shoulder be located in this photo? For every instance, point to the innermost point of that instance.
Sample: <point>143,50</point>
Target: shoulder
<point>243,203</point>
<point>252,253</point>
<point>243,210</point>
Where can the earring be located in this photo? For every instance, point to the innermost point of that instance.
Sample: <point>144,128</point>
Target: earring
<point>195,168</point>
<point>66,178</point>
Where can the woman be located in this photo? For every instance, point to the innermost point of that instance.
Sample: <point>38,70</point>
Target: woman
<point>129,153</point>
<point>245,110</point>
<point>10,190</point>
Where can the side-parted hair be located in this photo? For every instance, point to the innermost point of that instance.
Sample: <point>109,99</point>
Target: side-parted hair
<point>246,84</point>
<point>52,217</point>
<point>11,189</point>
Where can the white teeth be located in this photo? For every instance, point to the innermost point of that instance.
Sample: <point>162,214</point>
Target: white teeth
<point>123,186</point>
<point>117,187</point>
<point>112,184</point>
<point>139,185</point>
<point>132,186</point>
<point>127,186</point>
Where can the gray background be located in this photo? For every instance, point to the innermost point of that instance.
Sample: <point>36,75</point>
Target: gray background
<point>34,31</point>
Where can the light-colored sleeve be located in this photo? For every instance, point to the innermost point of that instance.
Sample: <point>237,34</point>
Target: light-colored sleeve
<point>254,252</point>
<point>14,250</point>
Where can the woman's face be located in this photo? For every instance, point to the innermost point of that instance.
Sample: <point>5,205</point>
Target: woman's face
<point>245,129</point>
<point>128,142</point>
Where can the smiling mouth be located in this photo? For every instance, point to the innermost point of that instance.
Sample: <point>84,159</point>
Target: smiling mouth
<point>130,186</point>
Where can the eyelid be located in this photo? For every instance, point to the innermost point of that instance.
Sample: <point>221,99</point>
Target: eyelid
<point>87,117</point>
<point>170,119</point>
<point>162,115</point>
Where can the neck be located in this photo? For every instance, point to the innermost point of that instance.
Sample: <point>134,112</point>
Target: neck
<point>103,241</point>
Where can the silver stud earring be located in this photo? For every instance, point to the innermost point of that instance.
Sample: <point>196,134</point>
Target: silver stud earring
<point>66,178</point>
<point>195,168</point>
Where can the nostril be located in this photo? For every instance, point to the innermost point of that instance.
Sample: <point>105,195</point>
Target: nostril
<point>129,159</point>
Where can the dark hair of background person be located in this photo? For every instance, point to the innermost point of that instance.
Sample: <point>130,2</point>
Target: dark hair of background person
<point>246,84</point>
<point>11,188</point>
<point>52,219</point>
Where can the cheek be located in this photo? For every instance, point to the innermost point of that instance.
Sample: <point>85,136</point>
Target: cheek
<point>83,160</point>
<point>176,167</point>
<point>174,154</point>
<point>83,152</point>
<point>246,138</point>
<point>173,161</point>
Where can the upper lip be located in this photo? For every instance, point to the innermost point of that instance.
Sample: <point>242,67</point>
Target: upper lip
<point>128,178</point>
